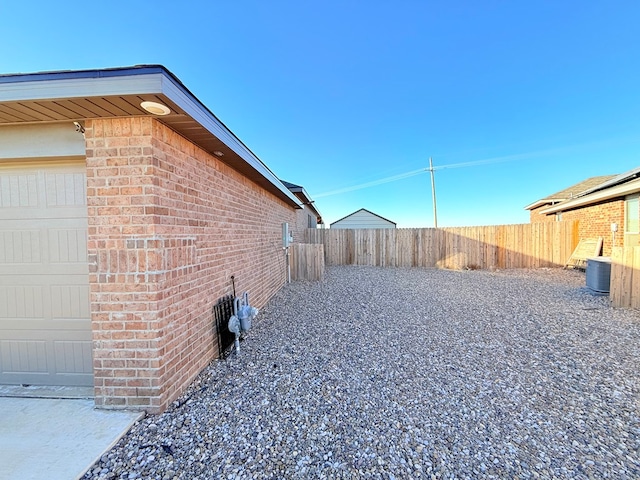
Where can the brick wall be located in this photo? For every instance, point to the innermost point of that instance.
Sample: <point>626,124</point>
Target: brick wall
<point>168,226</point>
<point>302,224</point>
<point>595,221</point>
<point>535,215</point>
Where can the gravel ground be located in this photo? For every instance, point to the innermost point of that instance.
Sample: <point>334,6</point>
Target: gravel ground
<point>410,373</point>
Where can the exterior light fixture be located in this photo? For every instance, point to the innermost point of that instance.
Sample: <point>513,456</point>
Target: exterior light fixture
<point>79,127</point>
<point>155,108</point>
<point>218,153</point>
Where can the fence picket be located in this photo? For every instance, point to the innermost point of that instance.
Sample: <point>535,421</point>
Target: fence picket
<point>495,246</point>
<point>306,261</point>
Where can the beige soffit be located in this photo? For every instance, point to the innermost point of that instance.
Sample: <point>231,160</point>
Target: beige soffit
<point>109,93</point>
<point>617,191</point>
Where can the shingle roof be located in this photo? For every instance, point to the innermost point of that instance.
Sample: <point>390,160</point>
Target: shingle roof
<point>578,188</point>
<point>616,180</point>
<point>304,197</point>
<point>613,186</point>
<point>290,185</point>
<point>572,191</point>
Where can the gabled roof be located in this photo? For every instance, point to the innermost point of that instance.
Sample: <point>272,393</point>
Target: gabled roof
<point>570,192</point>
<point>78,95</point>
<point>363,210</point>
<point>304,197</point>
<point>616,180</point>
<point>613,186</point>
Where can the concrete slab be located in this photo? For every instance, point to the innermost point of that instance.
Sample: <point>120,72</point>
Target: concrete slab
<point>56,439</point>
<point>45,391</point>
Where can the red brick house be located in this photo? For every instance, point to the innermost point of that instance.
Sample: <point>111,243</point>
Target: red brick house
<point>601,204</point>
<point>308,216</point>
<point>125,208</point>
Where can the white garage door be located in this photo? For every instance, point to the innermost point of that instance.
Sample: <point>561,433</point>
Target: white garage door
<point>45,327</point>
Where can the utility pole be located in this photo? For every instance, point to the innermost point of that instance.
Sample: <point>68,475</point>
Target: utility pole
<point>433,194</point>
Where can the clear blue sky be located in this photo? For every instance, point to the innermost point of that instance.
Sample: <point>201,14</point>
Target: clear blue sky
<point>535,95</point>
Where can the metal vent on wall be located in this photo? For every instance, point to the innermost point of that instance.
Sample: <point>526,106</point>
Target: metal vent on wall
<point>222,311</point>
<point>599,274</point>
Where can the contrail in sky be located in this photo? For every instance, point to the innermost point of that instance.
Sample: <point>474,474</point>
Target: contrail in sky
<point>393,178</point>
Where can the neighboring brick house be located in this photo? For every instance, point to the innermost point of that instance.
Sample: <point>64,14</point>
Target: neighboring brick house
<point>307,217</point>
<point>363,218</point>
<point>128,169</point>
<point>601,204</point>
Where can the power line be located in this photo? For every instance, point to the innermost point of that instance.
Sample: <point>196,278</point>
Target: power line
<point>488,161</point>
<point>413,173</point>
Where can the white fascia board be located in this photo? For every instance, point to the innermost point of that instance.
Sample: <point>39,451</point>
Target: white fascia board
<point>536,204</point>
<point>196,110</point>
<point>301,190</point>
<point>544,201</point>
<point>617,191</point>
<point>51,89</point>
<point>156,83</point>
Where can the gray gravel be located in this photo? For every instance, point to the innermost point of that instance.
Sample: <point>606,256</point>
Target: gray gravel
<point>410,373</point>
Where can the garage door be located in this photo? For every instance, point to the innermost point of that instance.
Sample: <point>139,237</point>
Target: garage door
<point>45,328</point>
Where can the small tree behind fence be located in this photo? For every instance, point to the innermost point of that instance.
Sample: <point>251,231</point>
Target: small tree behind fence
<point>532,245</point>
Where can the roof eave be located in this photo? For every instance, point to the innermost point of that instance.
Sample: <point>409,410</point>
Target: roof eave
<point>144,81</point>
<point>537,204</point>
<point>616,180</point>
<point>207,119</point>
<point>589,199</point>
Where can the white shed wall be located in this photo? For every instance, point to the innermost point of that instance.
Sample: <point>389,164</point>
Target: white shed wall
<point>362,219</point>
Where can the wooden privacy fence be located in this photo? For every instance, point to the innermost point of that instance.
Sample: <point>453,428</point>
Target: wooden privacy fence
<point>497,246</point>
<point>306,261</point>
<point>625,277</point>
